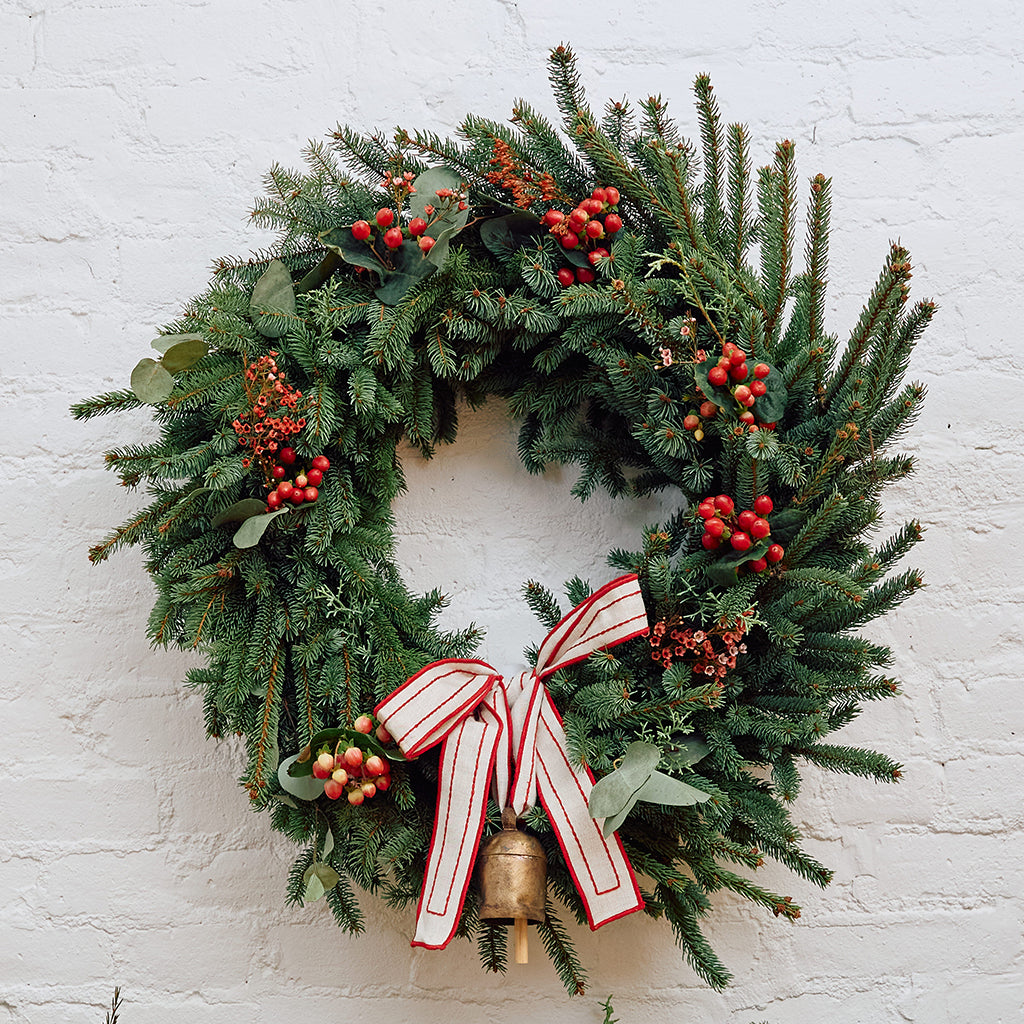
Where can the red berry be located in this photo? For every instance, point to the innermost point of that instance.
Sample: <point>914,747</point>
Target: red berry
<point>611,195</point>
<point>353,757</point>
<point>356,797</point>
<point>273,500</point>
<point>710,542</point>
<point>708,410</point>
<point>383,782</point>
<point>761,370</point>
<point>599,194</point>
<point>319,772</point>
<point>566,277</point>
<point>691,422</point>
<point>746,520</point>
<point>738,371</point>
<point>393,238</point>
<point>584,275</point>
<point>286,456</point>
<point>612,223</point>
<point>578,218</point>
<point>340,775</point>
<point>758,388</point>
<point>715,527</point>
<point>284,490</point>
<point>382,734</point>
<point>594,229</point>
<point>740,541</point>
<point>760,528</point>
<point>361,230</point>
<point>706,510</point>
<point>592,206</point>
<point>737,356</point>
<point>417,226</point>
<point>570,240</point>
<point>724,504</point>
<point>333,790</point>
<point>369,790</point>
<point>385,217</point>
<point>311,493</point>
<point>300,480</point>
<point>741,394</point>
<point>314,476</point>
<point>426,243</point>
<point>717,376</point>
<point>298,496</point>
<point>363,724</point>
<point>553,217</point>
<point>279,472</point>
<point>728,348</point>
<point>747,417</point>
<point>322,463</point>
<point>758,565</point>
<point>774,553</point>
<point>374,765</point>
<point>763,505</point>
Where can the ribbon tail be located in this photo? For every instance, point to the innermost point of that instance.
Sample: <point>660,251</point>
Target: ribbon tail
<point>467,759</point>
<point>600,868</point>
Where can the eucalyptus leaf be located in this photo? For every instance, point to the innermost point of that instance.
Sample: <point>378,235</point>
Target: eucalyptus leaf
<point>165,342</point>
<point>723,570</point>
<point>184,354</point>
<point>319,878</point>
<point>613,792</point>
<point>307,788</point>
<point>411,266</point>
<point>504,235</point>
<point>612,823</point>
<point>239,511</point>
<point>771,406</point>
<point>151,383</point>
<point>328,844</point>
<point>272,296</point>
<point>663,789</point>
<point>341,241</point>
<point>687,751</point>
<point>427,184</point>
<point>249,533</point>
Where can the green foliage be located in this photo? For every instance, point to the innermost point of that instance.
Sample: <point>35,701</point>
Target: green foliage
<point>302,616</point>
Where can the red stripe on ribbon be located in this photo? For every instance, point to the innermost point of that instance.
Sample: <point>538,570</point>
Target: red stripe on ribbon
<point>487,724</point>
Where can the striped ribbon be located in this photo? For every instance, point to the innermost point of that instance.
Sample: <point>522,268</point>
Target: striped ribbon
<point>507,733</point>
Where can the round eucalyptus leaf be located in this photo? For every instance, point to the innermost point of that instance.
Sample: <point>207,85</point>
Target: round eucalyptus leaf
<point>151,383</point>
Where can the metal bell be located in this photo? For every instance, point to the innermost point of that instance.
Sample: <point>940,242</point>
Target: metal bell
<point>513,879</point>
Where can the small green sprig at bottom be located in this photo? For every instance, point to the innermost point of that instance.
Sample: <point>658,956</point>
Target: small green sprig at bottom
<point>415,273</point>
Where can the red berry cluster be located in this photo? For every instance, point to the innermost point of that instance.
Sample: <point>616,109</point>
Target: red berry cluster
<point>711,652</point>
<point>268,425</point>
<point>742,531</point>
<point>583,228</point>
<point>745,384</point>
<point>394,234</point>
<point>349,771</point>
<point>303,487</point>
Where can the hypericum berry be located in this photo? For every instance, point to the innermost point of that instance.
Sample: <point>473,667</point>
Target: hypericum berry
<point>382,734</point>
<point>600,195</point>
<point>612,223</point>
<point>279,472</point>
<point>763,505</point>
<point>578,218</point>
<point>592,206</point>
<point>584,275</point>
<point>273,500</point>
<point>746,519</point>
<point>594,229</point>
<point>728,348</point>
<point>737,356</point>
<point>595,254</point>
<point>284,490</point>
<point>760,528</point>
<point>340,776</point>
<point>393,238</point>
<point>314,476</point>
<point>761,370</point>
<point>747,417</point>
<point>717,375</point>
<point>426,243</point>
<point>374,765</point>
<point>385,217</point>
<point>353,757</point>
<point>710,542</point>
<point>326,761</point>
<point>715,527</point>
<point>300,480</point>
<point>286,456</point>
<point>333,790</point>
<point>758,565</point>
<point>311,493</point>
<point>355,797</point>
<point>417,226</point>
<point>553,217</point>
<point>322,463</point>
<point>774,553</point>
<point>566,277</point>
<point>298,496</point>
<point>758,388</point>
<point>691,422</point>
<point>706,510</point>
<point>742,393</point>
<point>570,240</point>
<point>740,541</point>
<point>369,790</point>
<point>611,195</point>
<point>383,782</point>
<point>739,372</point>
<point>708,410</point>
<point>724,504</point>
<point>363,724</point>
<point>361,230</point>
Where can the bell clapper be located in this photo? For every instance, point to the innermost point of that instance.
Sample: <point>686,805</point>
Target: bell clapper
<point>522,948</point>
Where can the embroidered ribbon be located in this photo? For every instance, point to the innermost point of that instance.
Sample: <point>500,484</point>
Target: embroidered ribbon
<point>509,733</point>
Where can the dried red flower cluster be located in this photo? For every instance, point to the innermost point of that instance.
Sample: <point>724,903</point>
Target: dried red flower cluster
<point>526,188</point>
<point>268,425</point>
<point>712,652</point>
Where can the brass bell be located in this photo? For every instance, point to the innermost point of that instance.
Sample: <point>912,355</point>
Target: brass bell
<point>513,880</point>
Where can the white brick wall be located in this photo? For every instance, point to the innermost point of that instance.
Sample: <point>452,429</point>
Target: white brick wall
<point>133,137</point>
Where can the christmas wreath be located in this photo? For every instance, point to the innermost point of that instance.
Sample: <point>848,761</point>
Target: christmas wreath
<point>633,299</point>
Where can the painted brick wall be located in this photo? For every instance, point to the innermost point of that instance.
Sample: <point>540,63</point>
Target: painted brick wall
<point>133,137</point>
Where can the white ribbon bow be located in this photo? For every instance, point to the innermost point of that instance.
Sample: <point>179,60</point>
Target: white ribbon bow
<point>509,731</point>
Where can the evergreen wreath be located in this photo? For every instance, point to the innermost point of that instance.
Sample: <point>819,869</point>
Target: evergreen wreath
<point>611,286</point>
